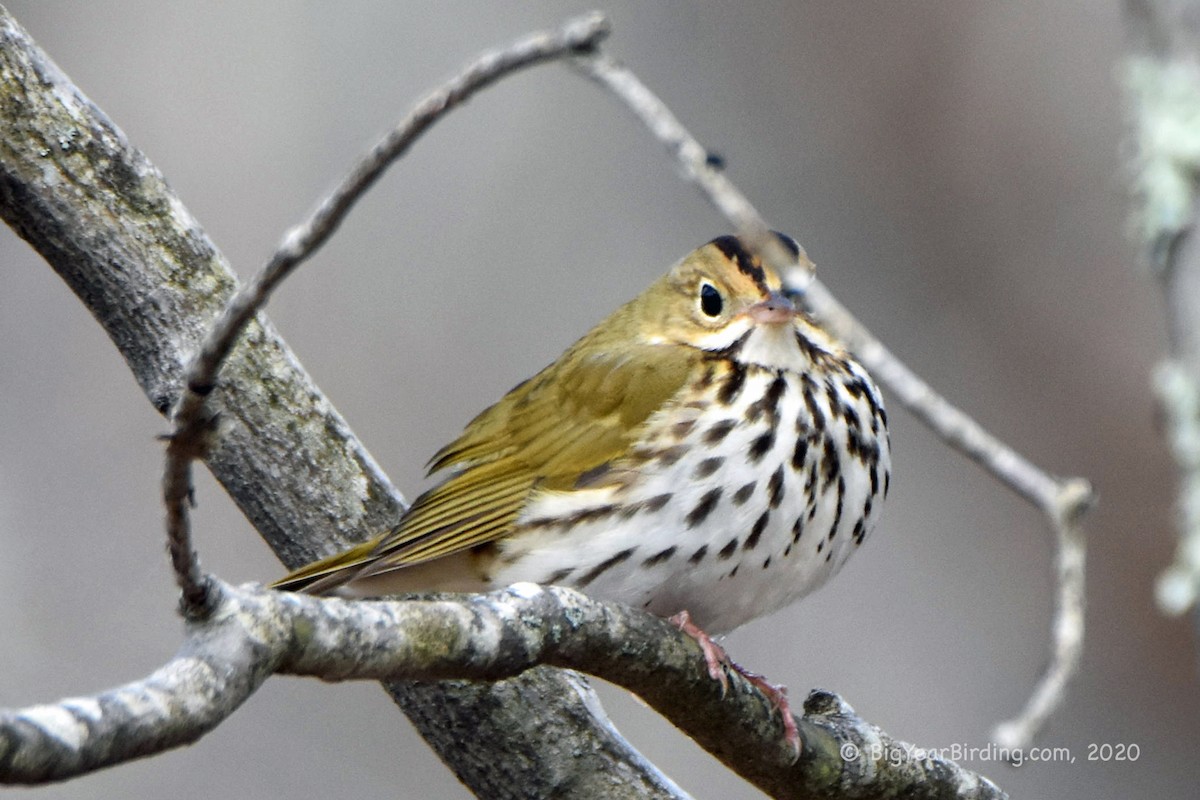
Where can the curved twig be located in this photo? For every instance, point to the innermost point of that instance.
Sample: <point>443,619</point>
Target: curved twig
<point>1062,501</point>
<point>106,221</point>
<point>186,441</point>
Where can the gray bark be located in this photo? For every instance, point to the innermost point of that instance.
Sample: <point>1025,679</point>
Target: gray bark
<point>104,218</point>
<point>253,633</point>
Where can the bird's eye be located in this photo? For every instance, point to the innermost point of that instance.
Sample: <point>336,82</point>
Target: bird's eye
<point>711,302</point>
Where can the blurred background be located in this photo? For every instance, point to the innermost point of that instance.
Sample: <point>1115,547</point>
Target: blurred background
<point>953,168</point>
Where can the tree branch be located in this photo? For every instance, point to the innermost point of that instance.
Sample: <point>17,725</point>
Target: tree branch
<point>881,767</point>
<point>299,243</point>
<point>1063,501</point>
<point>104,218</point>
<point>254,632</point>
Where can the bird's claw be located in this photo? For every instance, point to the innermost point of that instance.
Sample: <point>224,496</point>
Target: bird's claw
<point>717,661</point>
<point>715,657</point>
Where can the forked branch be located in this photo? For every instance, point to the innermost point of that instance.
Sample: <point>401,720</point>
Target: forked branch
<point>63,205</point>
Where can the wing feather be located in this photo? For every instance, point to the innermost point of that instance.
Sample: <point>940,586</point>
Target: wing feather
<point>578,414</point>
<point>572,417</point>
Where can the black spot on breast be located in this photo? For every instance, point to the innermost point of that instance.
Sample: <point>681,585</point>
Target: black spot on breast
<point>837,511</point>
<point>733,384</point>
<point>760,446</point>
<point>854,445</point>
<point>719,431</point>
<point>657,502</point>
<point>767,563</point>
<point>671,455</point>
<point>810,349</point>
<point>659,557</point>
<point>743,494</point>
<point>703,508</point>
<point>604,566</point>
<point>797,529</point>
<point>680,430</point>
<point>870,451</point>
<point>830,468</point>
<point>728,550</point>
<point>756,532</point>
<point>768,404</point>
<point>860,532</point>
<point>860,388</point>
<point>707,467</point>
<point>799,453</point>
<point>810,402</point>
<point>775,489</point>
<point>698,556</point>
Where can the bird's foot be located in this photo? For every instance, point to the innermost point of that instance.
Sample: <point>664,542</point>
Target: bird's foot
<point>714,655</point>
<point>717,660</point>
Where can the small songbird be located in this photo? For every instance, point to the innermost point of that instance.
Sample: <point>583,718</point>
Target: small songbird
<point>708,448</point>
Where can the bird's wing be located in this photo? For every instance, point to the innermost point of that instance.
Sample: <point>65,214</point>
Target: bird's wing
<point>574,417</point>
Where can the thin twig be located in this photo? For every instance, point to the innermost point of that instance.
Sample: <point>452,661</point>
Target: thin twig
<point>1062,501</point>
<point>578,35</point>
<point>284,454</point>
<point>694,159</point>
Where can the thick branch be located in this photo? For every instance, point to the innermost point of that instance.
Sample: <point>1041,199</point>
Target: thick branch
<point>255,632</point>
<point>103,217</point>
<point>937,778</point>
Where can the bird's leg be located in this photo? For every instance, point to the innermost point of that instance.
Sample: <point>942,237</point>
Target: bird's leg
<point>717,660</point>
<point>714,655</point>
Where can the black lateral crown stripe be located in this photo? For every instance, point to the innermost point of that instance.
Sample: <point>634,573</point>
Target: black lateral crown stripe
<point>791,244</point>
<point>747,263</point>
<point>736,251</point>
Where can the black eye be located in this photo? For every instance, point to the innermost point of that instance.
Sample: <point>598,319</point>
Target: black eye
<point>710,300</point>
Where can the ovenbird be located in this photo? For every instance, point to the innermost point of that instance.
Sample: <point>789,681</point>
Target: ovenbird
<point>706,448</point>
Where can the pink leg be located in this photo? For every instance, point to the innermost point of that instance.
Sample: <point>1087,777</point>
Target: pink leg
<point>717,660</point>
<point>714,655</point>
